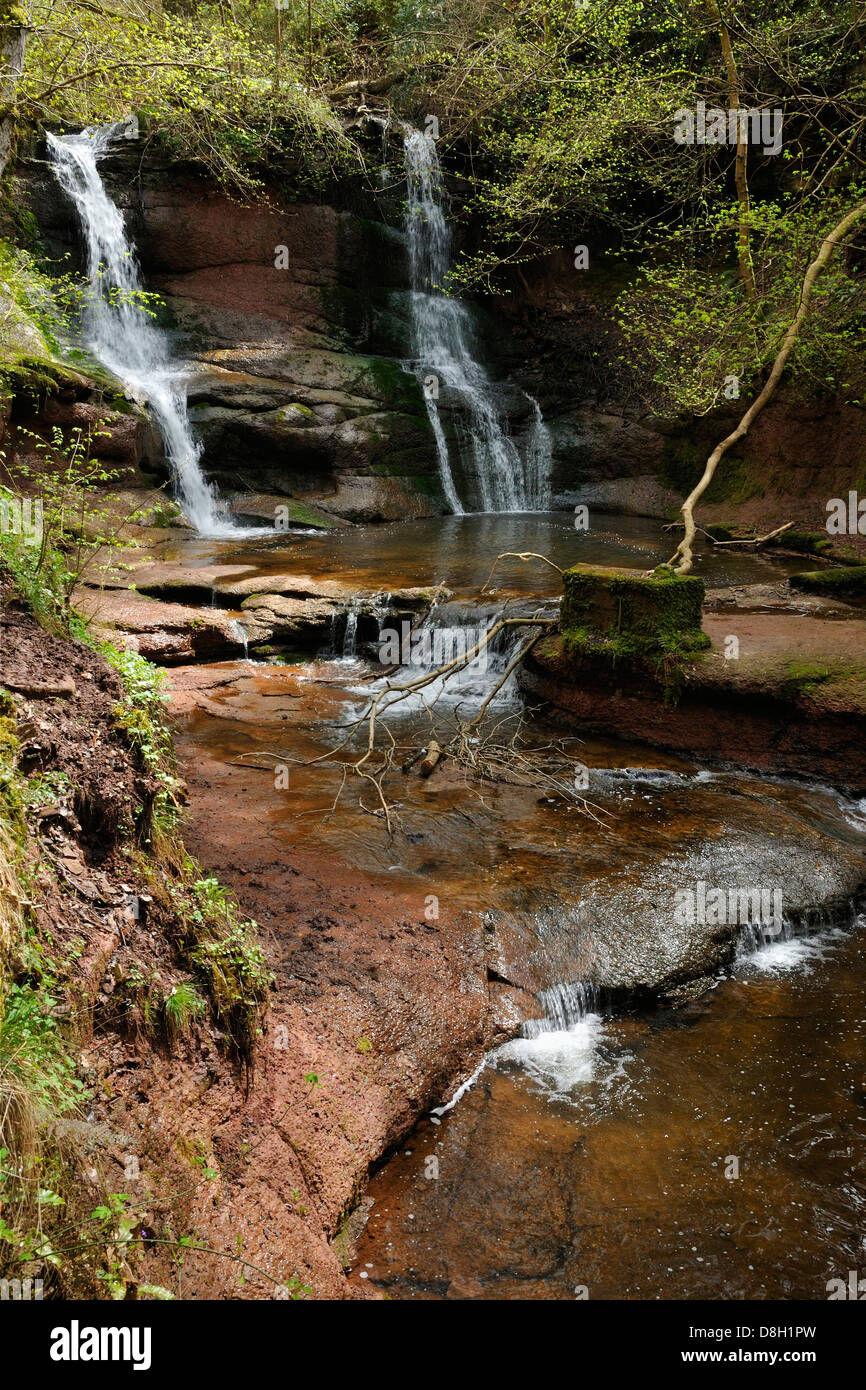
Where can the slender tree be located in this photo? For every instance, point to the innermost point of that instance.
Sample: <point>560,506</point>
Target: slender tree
<point>681,560</point>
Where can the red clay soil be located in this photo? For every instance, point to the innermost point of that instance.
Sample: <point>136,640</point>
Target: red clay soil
<point>383,1010</point>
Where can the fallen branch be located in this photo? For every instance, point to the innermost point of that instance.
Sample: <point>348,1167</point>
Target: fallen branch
<point>391,695</point>
<point>512,666</point>
<point>43,690</point>
<point>431,758</point>
<point>759,540</point>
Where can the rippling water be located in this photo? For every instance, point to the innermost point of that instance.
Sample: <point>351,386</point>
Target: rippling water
<point>716,1152</point>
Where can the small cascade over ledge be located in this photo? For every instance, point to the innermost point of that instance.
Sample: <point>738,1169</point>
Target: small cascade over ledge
<point>117,328</point>
<point>505,479</point>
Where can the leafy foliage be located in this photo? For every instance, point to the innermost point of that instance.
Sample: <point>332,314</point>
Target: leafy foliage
<point>203,78</point>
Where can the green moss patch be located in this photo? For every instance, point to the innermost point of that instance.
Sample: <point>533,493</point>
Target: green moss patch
<point>805,542</point>
<point>683,461</point>
<point>650,622</point>
<point>846,582</point>
<point>301,514</point>
<point>647,609</point>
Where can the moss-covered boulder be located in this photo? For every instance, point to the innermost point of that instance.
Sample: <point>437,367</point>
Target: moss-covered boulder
<point>648,610</point>
<point>849,581</point>
<point>649,622</point>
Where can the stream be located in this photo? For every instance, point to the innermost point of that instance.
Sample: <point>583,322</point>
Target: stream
<point>611,1148</point>
<point>673,1109</point>
<point>714,1152</point>
<point>459,551</point>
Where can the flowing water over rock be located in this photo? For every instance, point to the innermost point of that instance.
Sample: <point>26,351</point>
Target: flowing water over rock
<point>641,1047</point>
<point>505,480</point>
<point>715,1152</point>
<point>116,325</point>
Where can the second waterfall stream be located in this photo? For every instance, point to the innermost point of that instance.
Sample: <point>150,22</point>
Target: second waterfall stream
<point>505,479</point>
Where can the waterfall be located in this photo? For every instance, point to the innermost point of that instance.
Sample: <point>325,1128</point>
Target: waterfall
<point>350,636</point>
<point>539,457</point>
<point>443,358</point>
<point>116,327</point>
<point>240,634</point>
<point>564,1049</point>
<point>565,1006</point>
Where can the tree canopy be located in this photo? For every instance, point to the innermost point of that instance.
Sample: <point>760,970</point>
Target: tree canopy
<point>559,118</point>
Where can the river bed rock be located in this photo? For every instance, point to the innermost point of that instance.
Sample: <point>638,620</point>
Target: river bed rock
<point>629,934</point>
<point>166,633</point>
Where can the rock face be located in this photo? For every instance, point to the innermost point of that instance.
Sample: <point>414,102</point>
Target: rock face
<point>294,318</point>
<point>166,633</point>
<point>346,432</point>
<point>563,343</point>
<point>793,702</point>
<point>639,936</point>
<point>294,323</point>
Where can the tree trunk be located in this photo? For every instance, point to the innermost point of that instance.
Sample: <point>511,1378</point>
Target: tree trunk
<point>744,254</point>
<point>13,46</point>
<point>682,556</point>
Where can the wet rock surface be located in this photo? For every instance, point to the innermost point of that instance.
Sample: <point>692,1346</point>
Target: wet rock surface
<point>638,934</point>
<point>606,1169</point>
<point>792,698</point>
<point>166,633</point>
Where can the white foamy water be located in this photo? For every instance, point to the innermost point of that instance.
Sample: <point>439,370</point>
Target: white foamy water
<point>445,362</point>
<point>461,1090</point>
<point>787,954</point>
<point>560,1059</point>
<point>118,330</point>
<point>564,1050</point>
<point>450,631</point>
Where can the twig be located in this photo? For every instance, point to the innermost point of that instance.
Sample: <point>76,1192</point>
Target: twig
<point>518,555</point>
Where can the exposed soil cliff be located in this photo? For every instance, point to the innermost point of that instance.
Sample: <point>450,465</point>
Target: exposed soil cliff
<point>380,1007</point>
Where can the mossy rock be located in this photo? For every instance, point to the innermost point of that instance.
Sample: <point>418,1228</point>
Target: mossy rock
<point>301,514</point>
<point>8,738</point>
<point>805,542</point>
<point>650,623</point>
<point>804,676</point>
<point>849,581</point>
<point>646,608</point>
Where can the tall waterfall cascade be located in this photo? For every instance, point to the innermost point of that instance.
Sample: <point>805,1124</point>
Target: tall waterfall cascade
<point>118,330</point>
<point>507,480</point>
